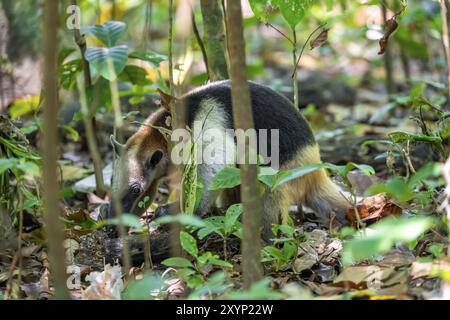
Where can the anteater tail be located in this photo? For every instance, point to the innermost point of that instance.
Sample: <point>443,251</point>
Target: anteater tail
<point>316,190</point>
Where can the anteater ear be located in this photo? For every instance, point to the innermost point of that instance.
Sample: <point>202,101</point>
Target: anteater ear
<point>117,146</point>
<point>166,99</point>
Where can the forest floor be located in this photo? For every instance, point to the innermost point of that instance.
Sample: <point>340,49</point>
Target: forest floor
<point>316,271</point>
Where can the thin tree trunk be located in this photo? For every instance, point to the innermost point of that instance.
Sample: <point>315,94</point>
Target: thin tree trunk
<point>214,36</point>
<point>243,119</point>
<point>390,86</point>
<point>446,42</point>
<point>55,228</point>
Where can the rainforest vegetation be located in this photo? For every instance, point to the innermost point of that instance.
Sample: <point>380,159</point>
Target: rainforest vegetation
<point>371,77</point>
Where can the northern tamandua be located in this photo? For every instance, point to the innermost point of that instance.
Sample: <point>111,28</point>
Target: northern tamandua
<point>146,159</point>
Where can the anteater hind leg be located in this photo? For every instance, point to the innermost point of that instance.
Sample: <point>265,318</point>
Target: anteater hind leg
<point>275,210</point>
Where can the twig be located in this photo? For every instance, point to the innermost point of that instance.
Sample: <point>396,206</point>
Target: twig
<point>88,117</point>
<point>171,82</point>
<point>81,42</point>
<point>305,44</point>
<point>199,41</point>
<point>268,24</point>
<point>11,275</point>
<point>294,77</point>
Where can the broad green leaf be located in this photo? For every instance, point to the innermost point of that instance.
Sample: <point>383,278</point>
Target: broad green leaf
<point>220,263</point>
<point>185,273</point>
<point>7,164</point>
<point>229,177</point>
<point>189,243</point>
<point>24,106</point>
<point>395,187</point>
<point>288,175</point>
<point>259,8</point>
<point>68,73</point>
<point>177,262</point>
<point>274,252</point>
<point>292,11</point>
<point>151,57</point>
<point>212,224</point>
<point>427,171</point>
<point>231,217</point>
<point>109,32</point>
<point>383,236</point>
<point>108,62</point>
<point>135,75</point>
<point>344,170</point>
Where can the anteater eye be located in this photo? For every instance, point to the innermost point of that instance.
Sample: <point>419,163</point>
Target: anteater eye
<point>154,159</point>
<point>135,189</point>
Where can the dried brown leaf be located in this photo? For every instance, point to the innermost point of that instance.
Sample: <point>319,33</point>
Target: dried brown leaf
<point>389,28</point>
<point>320,39</point>
<point>372,209</point>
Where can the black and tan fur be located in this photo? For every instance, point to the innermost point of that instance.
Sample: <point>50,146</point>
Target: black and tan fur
<point>146,157</point>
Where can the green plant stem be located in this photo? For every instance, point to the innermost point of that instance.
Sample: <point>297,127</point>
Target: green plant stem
<point>88,116</point>
<point>294,78</point>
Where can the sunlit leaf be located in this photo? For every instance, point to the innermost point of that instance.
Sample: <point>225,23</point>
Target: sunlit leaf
<point>109,32</point>
<point>108,62</point>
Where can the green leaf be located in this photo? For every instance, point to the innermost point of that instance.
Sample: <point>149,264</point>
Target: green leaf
<point>135,75</point>
<point>259,8</point>
<point>212,224</point>
<point>229,177</point>
<point>220,263</point>
<point>177,262</point>
<point>109,32</point>
<point>274,252</point>
<point>185,273</point>
<point>7,164</point>
<point>189,243</point>
<point>344,170</point>
<point>395,187</point>
<point>425,172</point>
<point>24,106</point>
<point>68,73</point>
<point>288,175</point>
<point>108,62</point>
<point>292,11</point>
<point>231,217</point>
<point>128,220</point>
<point>403,137</point>
<point>383,235</point>
<point>73,133</point>
<point>151,57</point>
<point>183,219</point>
